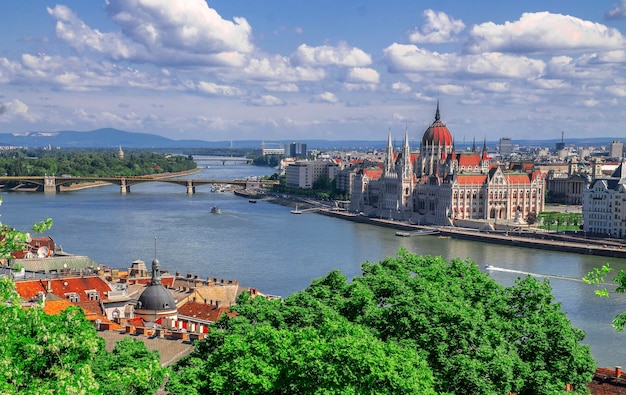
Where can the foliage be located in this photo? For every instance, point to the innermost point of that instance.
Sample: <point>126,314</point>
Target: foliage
<point>598,277</point>
<point>90,163</point>
<point>563,221</point>
<point>62,354</point>
<point>477,336</point>
<point>43,353</point>
<point>130,369</point>
<point>298,347</point>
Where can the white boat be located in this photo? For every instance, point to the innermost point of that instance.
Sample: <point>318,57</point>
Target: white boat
<point>296,211</point>
<point>216,210</point>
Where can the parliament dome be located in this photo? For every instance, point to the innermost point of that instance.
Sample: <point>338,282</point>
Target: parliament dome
<point>437,133</point>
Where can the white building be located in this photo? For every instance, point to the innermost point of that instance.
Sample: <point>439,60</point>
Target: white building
<point>603,201</point>
<point>302,174</point>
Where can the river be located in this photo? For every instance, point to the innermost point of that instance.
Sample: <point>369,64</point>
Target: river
<point>262,245</point>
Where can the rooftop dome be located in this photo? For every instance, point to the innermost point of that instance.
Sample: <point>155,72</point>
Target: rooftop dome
<point>437,133</point>
<point>156,298</point>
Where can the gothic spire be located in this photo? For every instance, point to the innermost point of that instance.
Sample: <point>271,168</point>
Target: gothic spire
<point>437,116</point>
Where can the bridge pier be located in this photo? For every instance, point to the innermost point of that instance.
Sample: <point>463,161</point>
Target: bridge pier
<point>191,189</point>
<point>124,188</point>
<point>50,185</point>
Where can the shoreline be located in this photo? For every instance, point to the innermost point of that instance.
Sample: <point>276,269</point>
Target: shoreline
<point>545,240</point>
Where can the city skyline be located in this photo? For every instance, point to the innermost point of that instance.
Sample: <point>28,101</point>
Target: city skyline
<point>315,70</point>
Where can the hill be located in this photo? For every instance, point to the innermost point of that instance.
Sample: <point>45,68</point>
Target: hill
<point>110,138</point>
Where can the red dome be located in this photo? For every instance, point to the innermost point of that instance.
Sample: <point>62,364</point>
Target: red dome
<point>437,133</point>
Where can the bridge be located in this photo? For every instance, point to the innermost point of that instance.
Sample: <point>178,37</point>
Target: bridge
<point>52,184</point>
<point>222,159</point>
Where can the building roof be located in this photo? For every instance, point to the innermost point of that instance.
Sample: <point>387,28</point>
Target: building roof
<point>437,133</point>
<point>29,289</point>
<point>471,179</point>
<point>470,159</point>
<point>57,263</point>
<point>517,178</point>
<point>203,311</point>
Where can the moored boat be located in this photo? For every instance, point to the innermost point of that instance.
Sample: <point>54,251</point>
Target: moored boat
<point>216,210</point>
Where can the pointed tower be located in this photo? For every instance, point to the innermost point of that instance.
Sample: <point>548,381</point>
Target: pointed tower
<point>407,165</point>
<point>389,158</point>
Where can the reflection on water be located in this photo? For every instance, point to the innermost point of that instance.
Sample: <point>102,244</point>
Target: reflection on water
<point>264,246</point>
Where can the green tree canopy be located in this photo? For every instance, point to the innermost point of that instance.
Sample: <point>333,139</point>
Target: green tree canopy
<point>477,336</point>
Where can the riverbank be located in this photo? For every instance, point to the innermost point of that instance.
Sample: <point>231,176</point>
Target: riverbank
<point>527,239</point>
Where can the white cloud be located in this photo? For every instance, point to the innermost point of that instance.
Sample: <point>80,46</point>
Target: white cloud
<point>497,86</point>
<point>439,28</point>
<point>363,74</point>
<point>15,109</point>
<point>618,11</point>
<point>220,90</point>
<point>617,90</point>
<point>279,68</point>
<point>326,97</point>
<point>325,55</point>
<point>542,32</point>
<point>280,87</point>
<point>400,87</point>
<point>161,32</point>
<point>267,101</point>
<point>409,58</point>
<point>502,65</point>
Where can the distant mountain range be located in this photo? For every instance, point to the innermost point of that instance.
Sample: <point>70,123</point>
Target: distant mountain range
<point>111,138</point>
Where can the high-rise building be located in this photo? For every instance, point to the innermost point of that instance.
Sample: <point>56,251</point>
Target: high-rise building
<point>506,146</point>
<point>297,150</point>
<point>617,149</point>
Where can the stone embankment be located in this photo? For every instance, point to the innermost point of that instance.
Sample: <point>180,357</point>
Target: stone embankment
<point>519,238</point>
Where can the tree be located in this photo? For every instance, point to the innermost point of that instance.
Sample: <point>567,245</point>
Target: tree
<point>299,346</point>
<point>63,354</point>
<point>531,218</point>
<point>130,368</point>
<point>476,336</point>
<point>598,277</point>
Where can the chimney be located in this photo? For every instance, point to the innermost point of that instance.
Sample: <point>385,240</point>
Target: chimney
<point>618,371</point>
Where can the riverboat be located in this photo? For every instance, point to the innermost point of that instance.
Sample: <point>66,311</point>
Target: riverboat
<point>215,210</point>
<point>296,211</point>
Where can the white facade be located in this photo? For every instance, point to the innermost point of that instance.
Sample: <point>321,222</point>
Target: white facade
<point>302,174</point>
<point>604,205</point>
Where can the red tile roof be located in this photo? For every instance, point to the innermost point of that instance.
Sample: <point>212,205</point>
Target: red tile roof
<point>471,179</point>
<point>608,382</point>
<point>203,311</point>
<point>470,159</point>
<point>517,178</point>
<point>28,289</point>
<point>373,174</point>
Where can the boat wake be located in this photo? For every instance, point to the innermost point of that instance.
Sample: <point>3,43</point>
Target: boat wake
<point>559,277</point>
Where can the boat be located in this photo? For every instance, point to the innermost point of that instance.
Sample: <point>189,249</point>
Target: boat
<point>296,211</point>
<point>216,210</point>
<point>252,200</point>
<point>403,234</point>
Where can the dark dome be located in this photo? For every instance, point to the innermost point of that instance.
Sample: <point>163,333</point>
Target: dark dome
<point>437,133</point>
<point>156,298</point>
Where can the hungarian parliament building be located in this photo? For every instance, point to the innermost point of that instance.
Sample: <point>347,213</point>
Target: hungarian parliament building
<point>440,186</point>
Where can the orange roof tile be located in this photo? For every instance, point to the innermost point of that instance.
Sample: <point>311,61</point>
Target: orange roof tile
<point>466,159</point>
<point>471,179</point>
<point>29,289</point>
<point>373,174</point>
<point>517,178</point>
<point>53,307</point>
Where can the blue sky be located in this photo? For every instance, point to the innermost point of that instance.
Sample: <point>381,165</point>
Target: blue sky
<point>337,70</point>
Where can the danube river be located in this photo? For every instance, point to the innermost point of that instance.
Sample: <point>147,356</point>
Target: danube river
<point>262,245</point>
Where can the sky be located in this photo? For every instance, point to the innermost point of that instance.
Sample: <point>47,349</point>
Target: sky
<point>297,70</point>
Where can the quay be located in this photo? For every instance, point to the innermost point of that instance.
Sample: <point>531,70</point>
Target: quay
<point>541,240</point>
